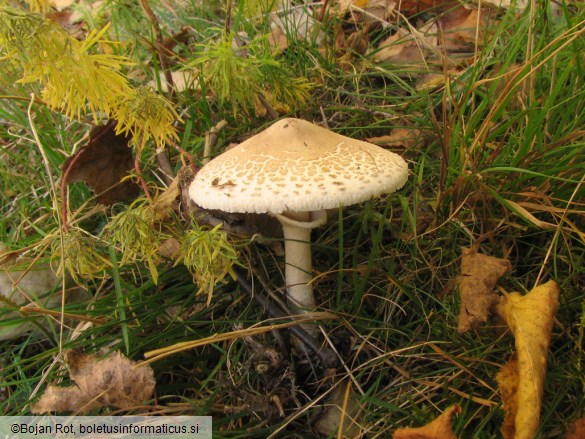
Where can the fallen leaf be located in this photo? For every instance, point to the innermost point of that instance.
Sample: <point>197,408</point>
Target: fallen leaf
<point>530,318</point>
<point>368,11</point>
<point>22,281</point>
<point>170,249</point>
<point>399,137</point>
<point>409,46</point>
<point>464,29</point>
<point>110,381</point>
<point>166,202</point>
<point>103,164</point>
<point>576,429</point>
<point>440,428</point>
<point>342,397</point>
<point>479,274</point>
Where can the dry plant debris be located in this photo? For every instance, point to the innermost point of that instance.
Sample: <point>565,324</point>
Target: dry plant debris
<point>22,281</point>
<point>110,381</point>
<point>521,380</point>
<point>440,428</point>
<point>479,274</point>
<point>341,415</point>
<point>576,429</point>
<point>104,164</point>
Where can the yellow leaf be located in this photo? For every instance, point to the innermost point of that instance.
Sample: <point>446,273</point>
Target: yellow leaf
<point>440,428</point>
<point>530,318</point>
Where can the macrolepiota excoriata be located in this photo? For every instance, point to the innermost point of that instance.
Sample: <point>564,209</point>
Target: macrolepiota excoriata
<point>295,170</point>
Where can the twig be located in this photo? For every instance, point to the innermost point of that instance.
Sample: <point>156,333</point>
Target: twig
<point>140,177</point>
<point>321,15</point>
<point>211,139</point>
<point>271,112</point>
<point>327,357</point>
<point>165,165</point>
<point>184,154</point>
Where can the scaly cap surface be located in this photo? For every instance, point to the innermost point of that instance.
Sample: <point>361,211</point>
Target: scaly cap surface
<point>297,166</point>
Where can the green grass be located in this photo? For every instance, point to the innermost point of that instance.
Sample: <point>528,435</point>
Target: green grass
<point>500,164</point>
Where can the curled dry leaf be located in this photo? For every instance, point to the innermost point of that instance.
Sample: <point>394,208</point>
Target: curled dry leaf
<point>479,274</point>
<point>440,428</point>
<point>104,164</point>
<point>110,381</point>
<point>521,381</point>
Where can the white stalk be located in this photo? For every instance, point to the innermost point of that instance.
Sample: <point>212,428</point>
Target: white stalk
<point>297,228</point>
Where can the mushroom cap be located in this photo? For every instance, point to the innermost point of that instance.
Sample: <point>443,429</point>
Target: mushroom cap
<point>295,165</point>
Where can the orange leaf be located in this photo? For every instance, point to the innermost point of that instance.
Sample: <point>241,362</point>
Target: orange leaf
<point>440,428</point>
<point>576,429</point>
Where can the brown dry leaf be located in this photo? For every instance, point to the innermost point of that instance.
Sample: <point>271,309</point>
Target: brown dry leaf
<point>440,428</point>
<point>170,249</point>
<point>103,164</point>
<point>166,202</point>
<point>409,46</point>
<point>398,137</point>
<point>479,274</point>
<point>110,381</point>
<point>329,423</point>
<point>368,11</point>
<point>463,29</point>
<point>576,429</point>
<point>530,318</point>
<point>277,39</point>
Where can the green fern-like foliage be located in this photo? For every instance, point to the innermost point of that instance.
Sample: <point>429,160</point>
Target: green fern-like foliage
<point>238,74</point>
<point>77,79</point>
<point>209,256</point>
<point>138,236</point>
<point>79,255</point>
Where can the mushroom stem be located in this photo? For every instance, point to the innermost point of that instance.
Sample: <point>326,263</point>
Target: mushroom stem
<point>297,228</point>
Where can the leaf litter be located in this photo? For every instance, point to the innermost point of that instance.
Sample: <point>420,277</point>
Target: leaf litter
<point>112,381</point>
<point>521,380</point>
<point>479,274</point>
<point>104,164</point>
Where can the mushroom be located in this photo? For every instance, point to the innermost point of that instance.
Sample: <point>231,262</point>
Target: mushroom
<point>295,170</point>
